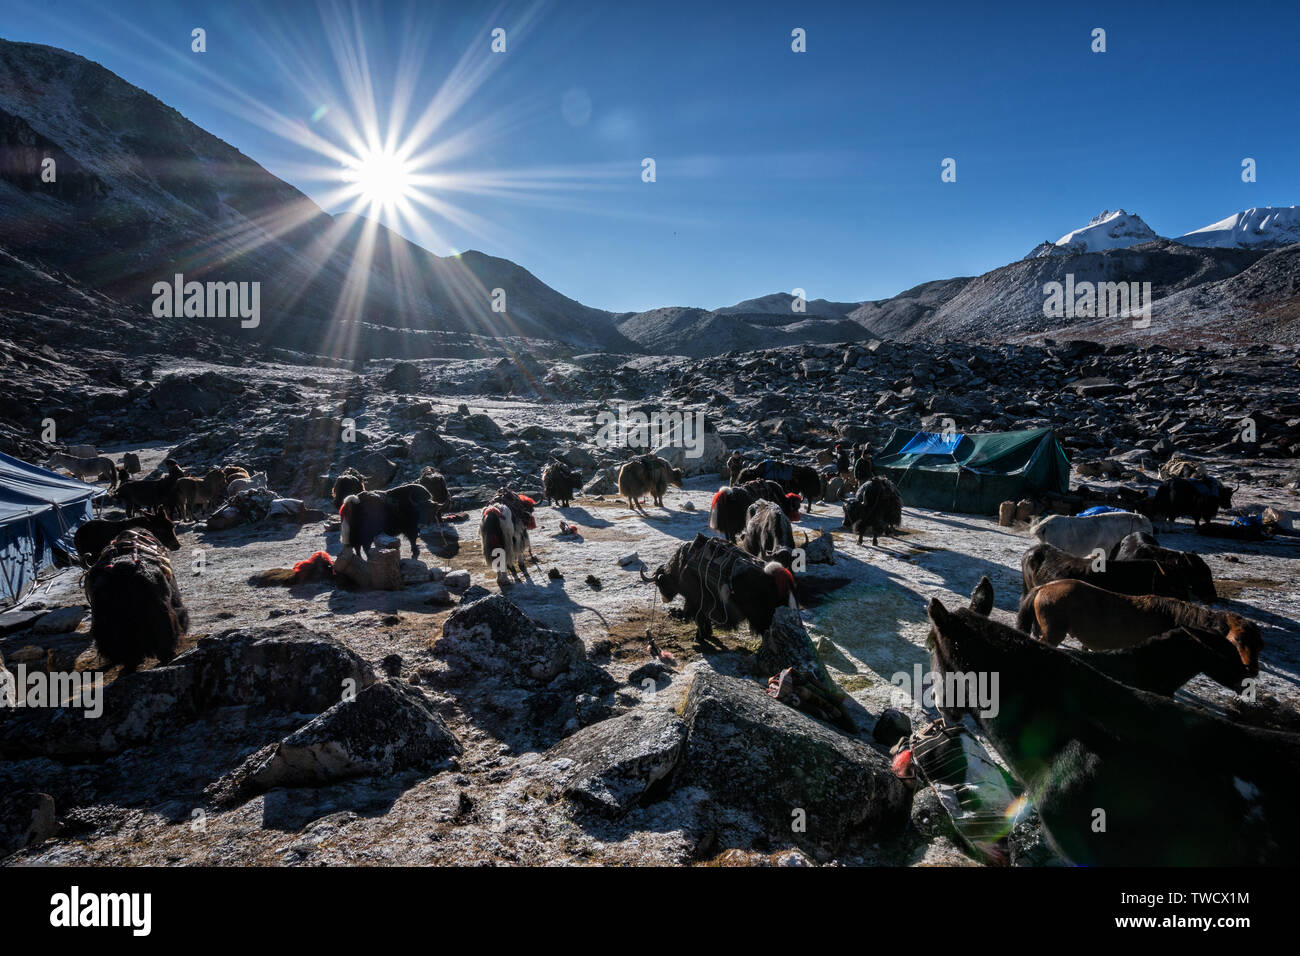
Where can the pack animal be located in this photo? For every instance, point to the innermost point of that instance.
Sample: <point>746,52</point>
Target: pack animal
<point>1188,565</point>
<point>559,483</point>
<point>729,511</point>
<point>95,535</point>
<point>98,468</point>
<point>647,475</point>
<point>1078,740</point>
<point>767,534</point>
<point>136,611</point>
<point>877,508</point>
<point>1103,620</point>
<point>790,502</point>
<point>798,479</point>
<point>1043,563</point>
<point>395,511</point>
<point>503,531</point>
<point>151,494</point>
<point>723,586</point>
<point>1199,500</point>
<point>1081,535</point>
<point>434,483</point>
<point>349,482</point>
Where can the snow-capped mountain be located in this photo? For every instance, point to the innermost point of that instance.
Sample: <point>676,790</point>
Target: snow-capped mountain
<point>1268,227</point>
<point>1110,230</point>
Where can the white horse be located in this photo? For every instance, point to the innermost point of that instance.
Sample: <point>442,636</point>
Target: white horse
<point>99,468</point>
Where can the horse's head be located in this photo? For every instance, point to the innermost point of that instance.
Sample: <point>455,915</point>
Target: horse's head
<point>164,530</point>
<point>1244,635</point>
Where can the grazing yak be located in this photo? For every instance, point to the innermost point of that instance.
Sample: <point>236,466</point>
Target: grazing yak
<point>1081,535</point>
<point>1103,620</point>
<point>790,502</point>
<point>395,511</point>
<point>503,530</point>
<point>647,475</point>
<point>723,585</point>
<point>97,468</point>
<point>1179,786</point>
<point>94,535</point>
<point>730,510</point>
<point>800,479</point>
<point>767,534</point>
<point>136,609</point>
<point>559,483</point>
<point>349,482</point>
<point>1043,563</point>
<point>877,507</point>
<point>1199,500</point>
<point>1188,565</point>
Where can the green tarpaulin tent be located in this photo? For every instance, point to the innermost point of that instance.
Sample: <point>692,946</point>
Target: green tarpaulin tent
<point>973,473</point>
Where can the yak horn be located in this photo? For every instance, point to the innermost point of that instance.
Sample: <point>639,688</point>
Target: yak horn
<point>648,580</point>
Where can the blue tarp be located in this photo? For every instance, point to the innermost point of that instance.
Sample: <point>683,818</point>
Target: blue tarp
<point>1098,510</point>
<point>932,443</point>
<point>39,512</point>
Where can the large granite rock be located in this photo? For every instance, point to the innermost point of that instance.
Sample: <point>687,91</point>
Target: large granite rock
<point>611,766</point>
<point>771,768</point>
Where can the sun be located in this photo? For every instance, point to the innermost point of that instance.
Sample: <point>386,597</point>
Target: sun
<point>380,178</point>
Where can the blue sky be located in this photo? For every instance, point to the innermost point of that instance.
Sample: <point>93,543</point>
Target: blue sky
<point>775,169</point>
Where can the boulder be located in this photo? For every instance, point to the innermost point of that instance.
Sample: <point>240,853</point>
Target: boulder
<point>708,457</point>
<point>381,571</point>
<point>281,669</point>
<point>61,621</point>
<point>388,728</point>
<point>402,377</point>
<point>492,635</point>
<point>26,818</point>
<point>612,765</point>
<point>788,774</point>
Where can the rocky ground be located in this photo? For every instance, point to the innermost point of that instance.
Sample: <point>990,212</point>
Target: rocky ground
<point>483,736</point>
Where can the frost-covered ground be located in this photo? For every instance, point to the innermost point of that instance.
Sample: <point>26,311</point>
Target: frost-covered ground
<point>866,612</point>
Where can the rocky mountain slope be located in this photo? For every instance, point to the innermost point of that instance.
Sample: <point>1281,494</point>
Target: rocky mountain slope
<point>141,194</point>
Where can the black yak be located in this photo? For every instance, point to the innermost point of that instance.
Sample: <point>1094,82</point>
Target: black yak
<point>799,479</point>
<point>876,508</point>
<point>349,482</point>
<point>150,494</point>
<point>136,611</point>
<point>1178,786</point>
<point>767,534</point>
<point>94,535</point>
<point>559,483</point>
<point>790,502</point>
<point>1190,566</point>
<point>1043,563</point>
<point>729,511</point>
<point>396,511</point>
<point>723,585</point>
<point>503,530</point>
<point>1199,500</point>
<point>436,485</point>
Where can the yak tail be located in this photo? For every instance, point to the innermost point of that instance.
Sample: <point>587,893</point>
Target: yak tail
<point>713,509</point>
<point>1027,620</point>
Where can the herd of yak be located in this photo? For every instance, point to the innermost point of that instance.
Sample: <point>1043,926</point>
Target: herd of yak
<point>1082,730</point>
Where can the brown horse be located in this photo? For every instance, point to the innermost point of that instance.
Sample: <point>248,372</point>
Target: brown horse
<point>1103,620</point>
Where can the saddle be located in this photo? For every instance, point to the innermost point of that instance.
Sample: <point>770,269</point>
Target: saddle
<point>135,545</point>
<point>777,471</point>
